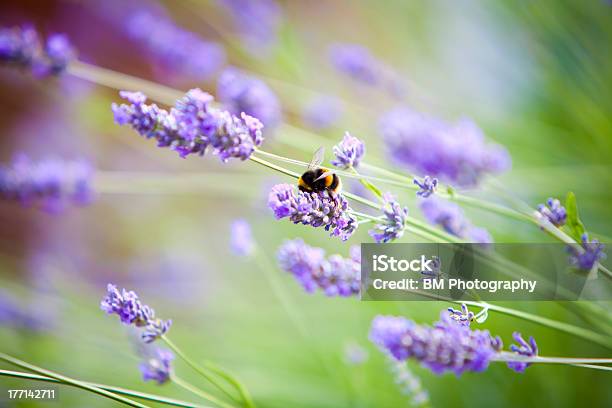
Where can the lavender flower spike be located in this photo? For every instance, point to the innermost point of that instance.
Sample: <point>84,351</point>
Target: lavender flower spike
<point>192,126</point>
<point>49,184</point>
<point>447,346</point>
<point>427,186</point>
<point>591,254</point>
<point>322,112</point>
<point>21,47</point>
<point>348,152</point>
<point>393,227</point>
<point>157,366</point>
<point>242,243</point>
<point>463,316</point>
<point>322,209</point>
<point>554,212</point>
<point>239,92</point>
<point>524,349</point>
<point>334,275</point>
<point>131,311</point>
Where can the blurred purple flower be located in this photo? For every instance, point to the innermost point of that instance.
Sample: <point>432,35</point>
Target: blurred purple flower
<point>14,314</point>
<point>393,227</point>
<point>322,112</point>
<point>524,349</point>
<point>409,384</point>
<point>354,354</point>
<point>257,21</point>
<point>447,346</point>
<point>451,218</point>
<point>553,211</point>
<point>456,153</point>
<point>21,47</point>
<point>322,209</point>
<point>177,50</point>
<point>348,152</point>
<point>586,255</point>
<point>49,184</point>
<point>426,187</point>
<point>157,365</point>
<point>360,64</point>
<point>335,275</point>
<point>192,126</point>
<point>132,311</point>
<point>239,92</point>
<point>241,238</point>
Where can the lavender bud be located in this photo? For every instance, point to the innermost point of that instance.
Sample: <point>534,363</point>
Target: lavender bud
<point>554,212</point>
<point>524,349</point>
<point>157,365</point>
<point>321,209</point>
<point>239,92</point>
<point>426,187</point>
<point>48,184</point>
<point>241,238</point>
<point>393,227</point>
<point>132,311</point>
<point>463,316</point>
<point>456,153</point>
<point>591,254</point>
<point>348,152</point>
<point>192,126</point>
<point>447,346</point>
<point>335,275</point>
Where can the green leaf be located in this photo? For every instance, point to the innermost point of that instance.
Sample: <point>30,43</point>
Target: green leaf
<point>372,188</point>
<point>574,225</point>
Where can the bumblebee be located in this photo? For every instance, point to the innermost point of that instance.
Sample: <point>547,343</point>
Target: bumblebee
<point>317,178</point>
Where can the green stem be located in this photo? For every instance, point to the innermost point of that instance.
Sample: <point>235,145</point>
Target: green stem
<point>200,393</point>
<point>586,334</point>
<point>203,372</point>
<point>593,366</point>
<point>248,400</point>
<point>116,390</point>
<point>67,380</point>
<point>506,356</point>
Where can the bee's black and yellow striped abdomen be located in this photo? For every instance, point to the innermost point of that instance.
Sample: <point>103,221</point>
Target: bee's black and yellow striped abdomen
<point>307,181</point>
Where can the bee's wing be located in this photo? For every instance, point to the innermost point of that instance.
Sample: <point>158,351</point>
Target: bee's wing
<point>317,158</point>
<point>322,176</point>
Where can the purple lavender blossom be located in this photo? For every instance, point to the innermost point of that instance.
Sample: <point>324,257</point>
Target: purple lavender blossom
<point>587,255</point>
<point>348,152</point>
<point>49,184</point>
<point>132,311</point>
<point>463,316</point>
<point>334,275</point>
<point>241,238</point>
<point>426,187</point>
<point>360,64</point>
<point>175,49</point>
<point>157,365</point>
<point>524,349</point>
<point>239,92</point>
<point>451,218</point>
<point>393,227</point>
<point>409,384</point>
<point>14,314</point>
<point>257,22</point>
<point>192,126</point>
<point>322,113</point>
<point>322,209</point>
<point>447,346</point>
<point>456,153</point>
<point>21,47</point>
<point>554,212</point>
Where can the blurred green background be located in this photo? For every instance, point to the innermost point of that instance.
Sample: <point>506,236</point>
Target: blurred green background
<point>536,76</point>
